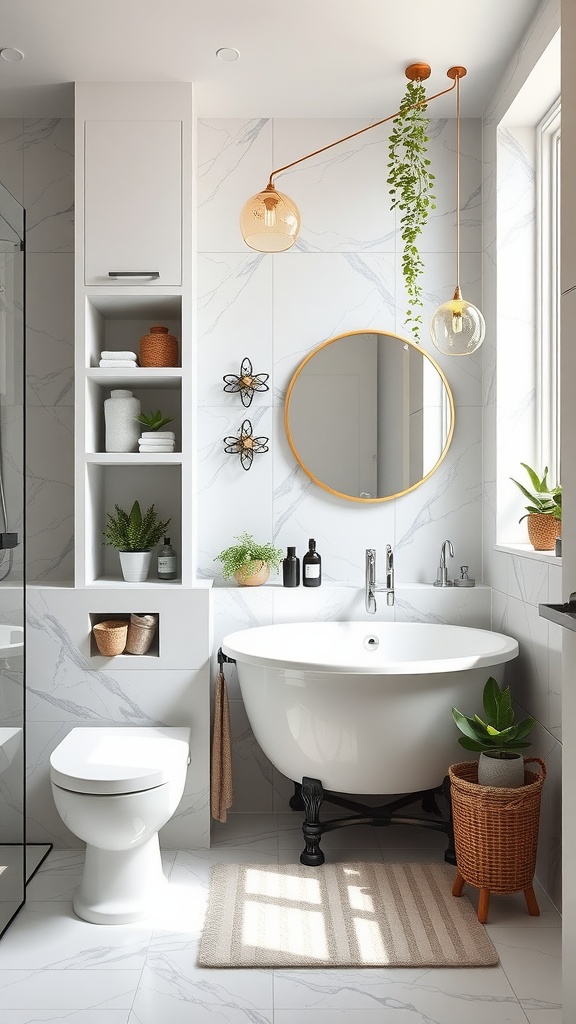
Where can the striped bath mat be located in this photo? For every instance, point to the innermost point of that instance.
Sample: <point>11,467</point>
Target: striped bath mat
<point>340,915</point>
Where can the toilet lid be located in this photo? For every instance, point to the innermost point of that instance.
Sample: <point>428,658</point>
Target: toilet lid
<point>119,760</point>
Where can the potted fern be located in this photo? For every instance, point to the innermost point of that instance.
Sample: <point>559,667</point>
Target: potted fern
<point>498,738</point>
<point>248,562</point>
<point>134,535</point>
<point>544,513</point>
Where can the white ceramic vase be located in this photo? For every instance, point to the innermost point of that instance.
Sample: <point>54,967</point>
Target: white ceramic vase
<point>123,430</point>
<point>135,565</point>
<point>501,772</point>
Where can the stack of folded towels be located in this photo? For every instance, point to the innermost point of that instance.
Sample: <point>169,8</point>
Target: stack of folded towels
<point>156,441</point>
<point>118,359</point>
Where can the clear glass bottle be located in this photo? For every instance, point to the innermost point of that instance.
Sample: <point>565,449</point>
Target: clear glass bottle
<point>312,566</point>
<point>167,561</point>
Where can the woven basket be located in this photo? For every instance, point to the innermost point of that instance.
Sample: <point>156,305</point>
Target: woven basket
<point>110,636</point>
<point>159,348</point>
<point>141,631</point>
<point>495,829</point>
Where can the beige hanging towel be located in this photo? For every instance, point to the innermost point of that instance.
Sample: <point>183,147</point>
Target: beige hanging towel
<point>221,789</point>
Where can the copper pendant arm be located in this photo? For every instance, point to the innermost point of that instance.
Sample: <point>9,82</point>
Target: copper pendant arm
<point>376,124</point>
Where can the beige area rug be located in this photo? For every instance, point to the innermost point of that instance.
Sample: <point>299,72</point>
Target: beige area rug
<point>340,915</point>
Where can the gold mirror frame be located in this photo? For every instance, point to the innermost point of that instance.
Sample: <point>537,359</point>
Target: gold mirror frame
<point>350,334</point>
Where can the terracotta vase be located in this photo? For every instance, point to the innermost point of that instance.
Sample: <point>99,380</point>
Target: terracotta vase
<point>247,578</point>
<point>543,531</point>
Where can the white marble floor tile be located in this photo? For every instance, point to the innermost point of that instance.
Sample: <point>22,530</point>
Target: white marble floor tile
<point>544,1016</point>
<point>65,1016</point>
<point>57,877</point>
<point>167,996</point>
<point>67,990</point>
<point>532,960</point>
<point>416,997</point>
<point>49,936</point>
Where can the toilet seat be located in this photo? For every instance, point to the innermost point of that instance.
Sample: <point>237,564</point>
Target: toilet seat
<point>120,760</point>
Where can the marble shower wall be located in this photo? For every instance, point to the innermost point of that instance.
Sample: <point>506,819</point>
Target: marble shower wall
<point>343,274</point>
<point>519,582</point>
<point>37,166</point>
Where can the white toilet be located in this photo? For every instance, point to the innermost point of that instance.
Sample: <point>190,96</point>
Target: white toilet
<point>115,788</point>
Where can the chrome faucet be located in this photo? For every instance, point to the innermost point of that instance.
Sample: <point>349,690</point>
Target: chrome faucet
<point>370,586</point>
<point>442,573</point>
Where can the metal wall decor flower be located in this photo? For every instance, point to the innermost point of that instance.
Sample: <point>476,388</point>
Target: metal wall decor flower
<point>245,445</point>
<point>246,382</point>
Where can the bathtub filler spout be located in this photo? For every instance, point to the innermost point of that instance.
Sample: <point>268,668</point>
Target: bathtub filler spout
<point>370,586</point>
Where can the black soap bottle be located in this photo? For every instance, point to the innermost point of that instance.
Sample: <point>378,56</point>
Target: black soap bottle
<point>291,569</point>
<point>312,566</point>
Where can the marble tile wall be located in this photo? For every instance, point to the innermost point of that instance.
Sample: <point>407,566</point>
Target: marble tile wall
<point>37,166</point>
<point>519,582</point>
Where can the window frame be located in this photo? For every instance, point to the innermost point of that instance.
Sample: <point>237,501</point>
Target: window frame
<point>548,134</point>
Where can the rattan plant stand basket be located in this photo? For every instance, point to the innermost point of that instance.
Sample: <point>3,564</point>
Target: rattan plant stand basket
<point>495,834</point>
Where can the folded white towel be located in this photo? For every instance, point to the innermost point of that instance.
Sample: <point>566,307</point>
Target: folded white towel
<point>156,448</point>
<point>158,435</point>
<point>118,355</point>
<point>118,362</point>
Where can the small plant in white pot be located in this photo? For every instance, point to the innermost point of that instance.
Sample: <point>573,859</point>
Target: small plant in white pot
<point>497,737</point>
<point>134,535</point>
<point>248,562</point>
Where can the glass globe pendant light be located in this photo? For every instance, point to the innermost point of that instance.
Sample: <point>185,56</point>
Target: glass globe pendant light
<point>270,221</point>
<point>457,326</point>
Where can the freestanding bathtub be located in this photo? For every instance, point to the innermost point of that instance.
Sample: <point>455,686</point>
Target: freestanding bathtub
<point>364,707</point>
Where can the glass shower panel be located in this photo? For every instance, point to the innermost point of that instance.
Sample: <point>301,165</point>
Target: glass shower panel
<point>12,505</point>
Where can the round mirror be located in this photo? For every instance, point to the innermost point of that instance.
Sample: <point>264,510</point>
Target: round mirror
<point>369,415</point>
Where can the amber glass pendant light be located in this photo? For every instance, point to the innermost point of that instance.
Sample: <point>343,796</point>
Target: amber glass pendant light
<point>270,221</point>
<point>457,326</point>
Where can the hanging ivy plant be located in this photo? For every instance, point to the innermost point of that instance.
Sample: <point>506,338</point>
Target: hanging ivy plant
<point>411,184</point>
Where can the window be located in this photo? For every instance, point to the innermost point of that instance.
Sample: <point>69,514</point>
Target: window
<point>548,312</point>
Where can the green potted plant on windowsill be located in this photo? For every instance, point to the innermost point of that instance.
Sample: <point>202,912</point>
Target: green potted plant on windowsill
<point>496,736</point>
<point>544,513</point>
<point>134,535</point>
<point>248,562</point>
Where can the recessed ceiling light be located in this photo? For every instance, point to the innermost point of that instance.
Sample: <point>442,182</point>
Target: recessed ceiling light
<point>228,54</point>
<point>11,54</point>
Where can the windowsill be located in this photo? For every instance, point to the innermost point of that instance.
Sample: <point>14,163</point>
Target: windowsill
<point>527,551</point>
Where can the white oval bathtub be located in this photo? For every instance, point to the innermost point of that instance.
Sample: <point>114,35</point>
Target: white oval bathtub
<point>365,707</point>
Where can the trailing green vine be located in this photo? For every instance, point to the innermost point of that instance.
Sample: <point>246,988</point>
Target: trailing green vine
<point>411,184</point>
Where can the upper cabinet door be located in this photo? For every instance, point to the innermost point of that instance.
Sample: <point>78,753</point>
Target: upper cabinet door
<point>133,202</point>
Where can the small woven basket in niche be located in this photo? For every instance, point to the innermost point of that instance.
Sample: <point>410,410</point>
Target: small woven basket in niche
<point>141,632</point>
<point>110,636</point>
<point>496,829</point>
<point>158,348</point>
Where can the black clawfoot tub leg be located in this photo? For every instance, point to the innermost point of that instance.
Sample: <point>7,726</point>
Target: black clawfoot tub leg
<point>312,795</point>
<point>296,802</point>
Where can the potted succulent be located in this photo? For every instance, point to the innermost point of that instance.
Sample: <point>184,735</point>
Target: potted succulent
<point>154,420</point>
<point>134,535</point>
<point>248,562</point>
<point>497,737</point>
<point>154,440</point>
<point>544,513</point>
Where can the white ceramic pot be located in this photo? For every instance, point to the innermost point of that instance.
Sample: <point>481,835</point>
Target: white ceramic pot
<point>135,565</point>
<point>501,772</point>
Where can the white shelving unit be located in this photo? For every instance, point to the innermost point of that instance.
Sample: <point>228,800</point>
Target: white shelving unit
<point>134,190</point>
